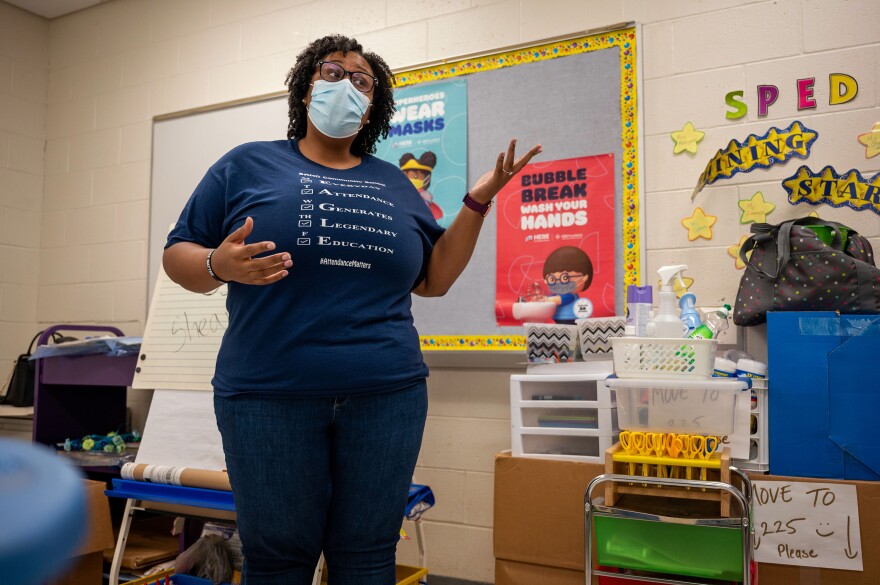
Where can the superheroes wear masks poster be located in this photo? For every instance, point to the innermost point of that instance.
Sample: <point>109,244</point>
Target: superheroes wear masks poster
<point>428,142</point>
<point>555,239</point>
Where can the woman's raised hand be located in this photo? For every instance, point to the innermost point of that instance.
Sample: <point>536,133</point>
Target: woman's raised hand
<point>506,166</point>
<point>234,260</point>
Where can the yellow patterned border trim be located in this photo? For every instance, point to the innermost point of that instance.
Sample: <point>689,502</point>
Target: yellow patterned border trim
<point>472,342</point>
<point>625,41</point>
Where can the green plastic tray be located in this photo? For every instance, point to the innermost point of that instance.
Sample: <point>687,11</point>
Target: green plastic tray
<point>712,552</point>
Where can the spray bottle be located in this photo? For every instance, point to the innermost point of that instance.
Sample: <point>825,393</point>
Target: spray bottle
<point>666,323</point>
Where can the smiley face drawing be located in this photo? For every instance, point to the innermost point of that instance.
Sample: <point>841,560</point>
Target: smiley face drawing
<point>828,524</point>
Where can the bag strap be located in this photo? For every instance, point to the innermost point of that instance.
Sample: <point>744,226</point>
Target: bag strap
<point>56,338</point>
<point>761,232</point>
<point>33,341</point>
<point>837,243</point>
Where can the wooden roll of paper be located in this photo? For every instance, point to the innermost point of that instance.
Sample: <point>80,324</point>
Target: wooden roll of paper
<point>200,478</point>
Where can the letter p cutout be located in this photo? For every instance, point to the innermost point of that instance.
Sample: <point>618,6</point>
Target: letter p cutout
<point>767,95</point>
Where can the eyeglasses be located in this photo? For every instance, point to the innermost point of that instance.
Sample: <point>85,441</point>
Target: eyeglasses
<point>563,278</point>
<point>363,82</point>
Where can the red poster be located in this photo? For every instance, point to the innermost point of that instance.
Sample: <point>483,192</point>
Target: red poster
<point>556,237</point>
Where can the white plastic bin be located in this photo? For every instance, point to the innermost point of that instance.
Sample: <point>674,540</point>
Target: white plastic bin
<point>697,406</point>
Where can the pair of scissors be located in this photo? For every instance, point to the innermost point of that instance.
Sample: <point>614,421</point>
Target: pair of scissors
<point>674,445</point>
<point>633,443</point>
<point>652,442</point>
<point>701,447</point>
<point>655,445</point>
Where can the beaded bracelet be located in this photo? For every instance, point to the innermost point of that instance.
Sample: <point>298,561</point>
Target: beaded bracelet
<point>211,269</point>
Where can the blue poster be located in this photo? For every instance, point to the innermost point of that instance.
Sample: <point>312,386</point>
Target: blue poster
<point>428,141</point>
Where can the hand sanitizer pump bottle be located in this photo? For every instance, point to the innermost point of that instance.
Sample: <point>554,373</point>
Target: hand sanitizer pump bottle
<point>667,323</point>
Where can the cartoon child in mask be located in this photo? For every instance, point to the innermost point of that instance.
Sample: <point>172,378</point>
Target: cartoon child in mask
<point>567,271</point>
<point>419,172</point>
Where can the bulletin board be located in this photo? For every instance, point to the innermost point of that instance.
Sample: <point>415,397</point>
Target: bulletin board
<point>576,96</point>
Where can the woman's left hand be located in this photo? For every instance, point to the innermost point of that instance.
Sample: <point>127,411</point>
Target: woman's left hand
<point>507,165</point>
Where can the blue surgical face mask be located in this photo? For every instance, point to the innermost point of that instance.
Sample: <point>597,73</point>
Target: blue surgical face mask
<point>337,107</point>
<point>561,288</point>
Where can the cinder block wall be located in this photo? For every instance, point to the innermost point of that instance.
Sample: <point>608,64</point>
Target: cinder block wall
<point>24,77</point>
<point>74,221</point>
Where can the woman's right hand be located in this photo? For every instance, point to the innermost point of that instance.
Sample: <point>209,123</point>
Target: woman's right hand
<point>234,260</point>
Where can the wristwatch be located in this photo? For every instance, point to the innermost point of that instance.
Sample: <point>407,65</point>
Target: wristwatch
<point>481,208</point>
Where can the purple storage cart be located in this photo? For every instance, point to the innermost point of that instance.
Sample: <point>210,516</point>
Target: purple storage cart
<point>80,395</point>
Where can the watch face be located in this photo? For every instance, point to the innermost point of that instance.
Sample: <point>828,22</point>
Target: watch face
<point>583,309</point>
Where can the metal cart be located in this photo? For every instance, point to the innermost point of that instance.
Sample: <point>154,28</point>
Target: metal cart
<point>701,550</point>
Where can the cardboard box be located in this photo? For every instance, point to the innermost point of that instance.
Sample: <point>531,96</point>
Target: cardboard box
<point>539,511</point>
<point>824,399</point>
<point>149,542</point>
<point>868,494</point>
<point>514,573</point>
<point>87,566</point>
<point>539,526</point>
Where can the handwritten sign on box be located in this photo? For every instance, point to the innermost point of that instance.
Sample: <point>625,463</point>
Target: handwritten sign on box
<point>807,524</point>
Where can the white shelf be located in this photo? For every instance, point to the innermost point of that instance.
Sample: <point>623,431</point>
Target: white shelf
<point>569,447</point>
<point>527,420</point>
<point>587,398</point>
<point>759,450</point>
<point>582,390</point>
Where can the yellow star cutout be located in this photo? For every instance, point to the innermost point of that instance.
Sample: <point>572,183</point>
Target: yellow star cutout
<point>734,251</point>
<point>813,214</point>
<point>755,210</point>
<point>807,135</point>
<point>686,139</point>
<point>699,225</point>
<point>803,181</point>
<point>871,140</point>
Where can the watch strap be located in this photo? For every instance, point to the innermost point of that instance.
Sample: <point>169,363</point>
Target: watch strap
<point>474,205</point>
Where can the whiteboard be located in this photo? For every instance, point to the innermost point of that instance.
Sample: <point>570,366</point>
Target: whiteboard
<point>185,147</point>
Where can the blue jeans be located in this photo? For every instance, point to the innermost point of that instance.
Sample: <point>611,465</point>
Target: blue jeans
<point>327,474</point>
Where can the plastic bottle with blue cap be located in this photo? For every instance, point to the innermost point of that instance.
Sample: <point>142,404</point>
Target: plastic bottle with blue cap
<point>689,315</point>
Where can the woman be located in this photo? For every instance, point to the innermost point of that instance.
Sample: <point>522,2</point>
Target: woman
<point>319,388</point>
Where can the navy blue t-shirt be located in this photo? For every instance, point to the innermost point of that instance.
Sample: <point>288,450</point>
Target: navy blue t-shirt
<point>360,240</point>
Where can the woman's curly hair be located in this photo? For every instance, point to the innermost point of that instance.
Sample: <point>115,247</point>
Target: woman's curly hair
<point>299,79</point>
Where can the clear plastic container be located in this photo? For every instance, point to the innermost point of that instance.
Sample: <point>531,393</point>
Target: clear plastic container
<point>705,407</point>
